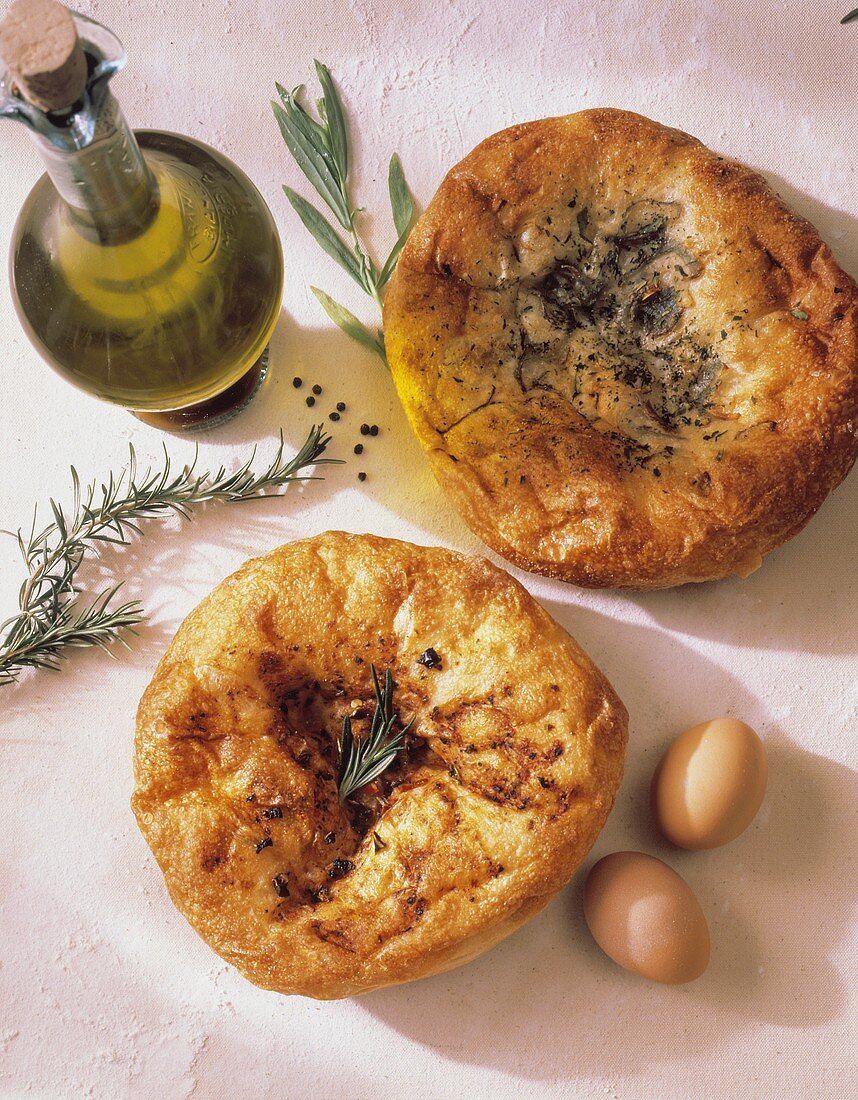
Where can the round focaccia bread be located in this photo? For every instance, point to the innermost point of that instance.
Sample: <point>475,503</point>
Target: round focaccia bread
<point>630,364</point>
<point>509,769</point>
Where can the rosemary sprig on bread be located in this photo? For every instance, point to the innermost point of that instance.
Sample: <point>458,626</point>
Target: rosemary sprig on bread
<point>363,760</point>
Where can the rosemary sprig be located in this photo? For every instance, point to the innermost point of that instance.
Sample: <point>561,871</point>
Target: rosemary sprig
<point>321,150</point>
<point>365,760</point>
<point>41,643</point>
<point>50,620</point>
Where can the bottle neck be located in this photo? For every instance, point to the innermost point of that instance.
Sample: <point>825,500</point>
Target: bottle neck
<point>107,187</point>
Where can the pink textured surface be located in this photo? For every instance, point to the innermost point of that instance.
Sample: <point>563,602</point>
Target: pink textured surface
<point>104,990</point>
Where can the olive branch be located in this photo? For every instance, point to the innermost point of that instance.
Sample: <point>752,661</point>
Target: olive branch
<point>320,148</point>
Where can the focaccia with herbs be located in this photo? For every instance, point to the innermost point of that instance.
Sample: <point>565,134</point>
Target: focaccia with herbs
<point>629,362</point>
<point>512,752</point>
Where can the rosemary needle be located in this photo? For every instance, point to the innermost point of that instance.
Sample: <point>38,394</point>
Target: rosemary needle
<point>51,619</point>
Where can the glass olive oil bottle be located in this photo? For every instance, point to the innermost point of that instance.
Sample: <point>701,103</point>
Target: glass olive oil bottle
<point>146,268</point>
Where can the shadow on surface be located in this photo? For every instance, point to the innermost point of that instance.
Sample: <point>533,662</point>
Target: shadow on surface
<point>794,601</point>
<point>547,1003</point>
<point>398,475</point>
<point>838,229</point>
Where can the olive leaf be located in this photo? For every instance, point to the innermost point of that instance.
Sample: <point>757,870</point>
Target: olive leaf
<point>290,104</point>
<point>347,321</point>
<point>403,212</point>
<point>390,262</point>
<point>314,160</point>
<point>400,199</point>
<point>326,236</point>
<point>331,111</point>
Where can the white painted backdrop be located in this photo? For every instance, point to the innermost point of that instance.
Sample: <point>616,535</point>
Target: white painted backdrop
<point>104,990</point>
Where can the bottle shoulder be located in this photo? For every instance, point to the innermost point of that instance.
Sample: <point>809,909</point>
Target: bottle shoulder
<point>209,211</point>
<point>191,157</point>
<point>188,171</point>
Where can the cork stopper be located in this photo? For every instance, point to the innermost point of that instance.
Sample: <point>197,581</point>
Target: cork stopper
<point>39,43</point>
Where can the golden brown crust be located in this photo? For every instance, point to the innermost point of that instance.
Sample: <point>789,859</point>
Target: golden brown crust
<point>510,770</point>
<point>584,433</point>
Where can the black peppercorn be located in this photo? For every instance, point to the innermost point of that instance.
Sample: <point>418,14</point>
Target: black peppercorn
<point>341,406</point>
<point>317,389</point>
<point>340,867</point>
<point>361,476</point>
<point>374,429</point>
<point>359,448</point>
<point>266,842</point>
<point>311,401</point>
<point>333,416</point>
<point>364,429</point>
<point>273,813</point>
<point>297,382</point>
<point>281,886</point>
<point>429,659</point>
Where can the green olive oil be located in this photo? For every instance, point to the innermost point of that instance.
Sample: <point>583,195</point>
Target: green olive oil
<point>145,267</point>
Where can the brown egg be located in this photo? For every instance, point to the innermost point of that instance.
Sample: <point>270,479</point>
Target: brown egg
<point>645,917</point>
<point>710,784</point>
